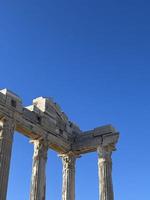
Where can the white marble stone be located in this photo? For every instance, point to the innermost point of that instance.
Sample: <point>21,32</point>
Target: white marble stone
<point>105,173</point>
<point>48,127</point>
<point>6,139</point>
<point>68,174</point>
<point>38,182</point>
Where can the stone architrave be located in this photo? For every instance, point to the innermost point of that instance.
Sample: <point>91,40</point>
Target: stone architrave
<point>105,173</point>
<point>6,139</point>
<point>68,173</point>
<point>38,182</point>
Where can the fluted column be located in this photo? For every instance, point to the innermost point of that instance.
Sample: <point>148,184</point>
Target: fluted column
<point>105,173</point>
<point>68,184</point>
<point>6,140</point>
<point>38,182</point>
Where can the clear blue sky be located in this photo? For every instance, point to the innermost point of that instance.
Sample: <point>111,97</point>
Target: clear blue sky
<point>93,57</point>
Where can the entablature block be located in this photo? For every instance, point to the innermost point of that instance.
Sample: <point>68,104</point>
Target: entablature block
<point>45,119</point>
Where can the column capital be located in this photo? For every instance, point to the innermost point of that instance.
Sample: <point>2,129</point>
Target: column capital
<point>40,148</point>
<point>104,152</point>
<point>7,122</point>
<point>69,160</point>
<point>69,155</point>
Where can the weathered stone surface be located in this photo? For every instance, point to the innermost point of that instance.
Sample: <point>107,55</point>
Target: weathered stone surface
<point>105,172</point>
<point>90,140</point>
<point>33,124</point>
<point>38,182</point>
<point>68,173</point>
<point>6,139</point>
<point>48,126</point>
<point>45,119</point>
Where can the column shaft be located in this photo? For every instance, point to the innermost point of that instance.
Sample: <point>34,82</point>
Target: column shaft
<point>38,182</point>
<point>6,140</point>
<point>105,174</point>
<point>68,185</point>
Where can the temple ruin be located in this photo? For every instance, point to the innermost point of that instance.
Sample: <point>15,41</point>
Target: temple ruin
<point>47,126</point>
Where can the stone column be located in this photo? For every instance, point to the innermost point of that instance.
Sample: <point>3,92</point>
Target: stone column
<point>38,182</point>
<point>68,184</point>
<point>105,173</point>
<point>6,140</point>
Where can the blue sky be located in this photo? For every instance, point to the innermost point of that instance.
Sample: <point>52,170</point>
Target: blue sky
<point>93,58</point>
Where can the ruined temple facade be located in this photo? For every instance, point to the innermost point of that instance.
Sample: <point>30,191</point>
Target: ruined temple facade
<point>48,127</point>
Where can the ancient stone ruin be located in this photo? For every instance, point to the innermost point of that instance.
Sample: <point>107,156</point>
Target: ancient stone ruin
<point>48,127</point>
